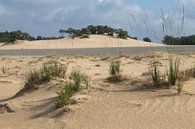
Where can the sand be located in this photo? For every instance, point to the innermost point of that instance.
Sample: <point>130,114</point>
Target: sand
<point>95,41</point>
<point>126,105</point>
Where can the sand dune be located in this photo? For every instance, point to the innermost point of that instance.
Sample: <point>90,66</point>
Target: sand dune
<point>125,105</point>
<point>95,41</point>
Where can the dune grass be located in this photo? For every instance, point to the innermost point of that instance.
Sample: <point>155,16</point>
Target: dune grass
<point>115,71</point>
<point>72,86</point>
<point>48,71</point>
<point>173,69</point>
<point>65,94</point>
<point>155,73</point>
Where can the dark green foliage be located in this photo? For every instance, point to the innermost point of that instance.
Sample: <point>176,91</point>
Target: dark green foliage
<point>100,29</point>
<point>185,40</point>
<point>92,29</point>
<point>147,39</point>
<point>11,37</point>
<point>122,34</point>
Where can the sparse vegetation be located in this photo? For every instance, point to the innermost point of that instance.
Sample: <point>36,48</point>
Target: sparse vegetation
<point>47,72</point>
<point>173,70</point>
<point>73,86</point>
<point>65,94</point>
<point>114,69</point>
<point>155,73</point>
<point>3,70</point>
<point>77,77</point>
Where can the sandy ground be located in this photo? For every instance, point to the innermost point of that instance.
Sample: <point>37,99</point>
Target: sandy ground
<point>95,41</point>
<point>126,105</point>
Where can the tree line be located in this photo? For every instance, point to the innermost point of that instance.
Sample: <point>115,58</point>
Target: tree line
<point>11,37</point>
<point>99,29</point>
<point>184,40</point>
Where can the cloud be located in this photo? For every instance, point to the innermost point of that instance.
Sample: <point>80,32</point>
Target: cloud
<point>46,17</point>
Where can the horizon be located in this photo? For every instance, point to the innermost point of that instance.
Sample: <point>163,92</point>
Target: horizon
<point>47,17</point>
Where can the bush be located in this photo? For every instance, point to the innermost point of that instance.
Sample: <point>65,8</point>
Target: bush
<point>173,70</point>
<point>47,72</point>
<point>147,39</point>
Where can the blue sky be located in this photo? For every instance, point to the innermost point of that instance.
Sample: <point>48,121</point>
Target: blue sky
<point>46,17</point>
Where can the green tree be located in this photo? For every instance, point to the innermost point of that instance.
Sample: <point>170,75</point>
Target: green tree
<point>147,39</point>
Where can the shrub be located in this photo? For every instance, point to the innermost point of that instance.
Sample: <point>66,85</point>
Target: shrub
<point>47,72</point>
<point>155,73</point>
<point>147,39</point>
<point>65,94</point>
<point>173,70</point>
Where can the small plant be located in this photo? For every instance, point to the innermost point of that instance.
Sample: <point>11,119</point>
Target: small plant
<point>173,70</point>
<point>179,87</point>
<point>71,88</point>
<point>114,68</point>
<point>77,77</point>
<point>4,70</point>
<point>155,73</point>
<point>64,95</point>
<point>87,81</point>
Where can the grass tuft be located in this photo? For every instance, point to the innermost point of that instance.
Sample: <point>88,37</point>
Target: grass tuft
<point>114,69</point>
<point>65,94</point>
<point>155,73</point>
<point>173,70</point>
<point>71,87</point>
<point>48,71</point>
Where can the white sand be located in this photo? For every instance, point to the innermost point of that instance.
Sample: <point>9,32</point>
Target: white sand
<point>95,41</point>
<point>125,105</point>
